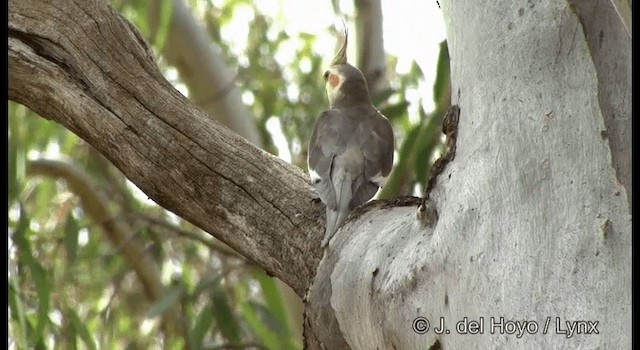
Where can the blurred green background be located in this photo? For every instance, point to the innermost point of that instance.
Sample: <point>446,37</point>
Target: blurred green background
<point>94,264</point>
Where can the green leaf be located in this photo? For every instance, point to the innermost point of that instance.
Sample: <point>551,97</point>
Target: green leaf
<point>268,338</point>
<point>16,154</point>
<point>81,329</point>
<point>17,312</point>
<point>224,316</point>
<point>275,304</point>
<point>426,144</point>
<point>38,274</point>
<point>43,289</point>
<point>379,97</point>
<point>170,297</point>
<point>402,168</point>
<point>164,24</point>
<point>70,333</point>
<point>207,284</point>
<point>395,111</point>
<point>442,85</point>
<point>202,325</point>
<point>71,238</point>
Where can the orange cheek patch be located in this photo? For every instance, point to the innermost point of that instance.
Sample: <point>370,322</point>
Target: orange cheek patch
<point>333,80</point>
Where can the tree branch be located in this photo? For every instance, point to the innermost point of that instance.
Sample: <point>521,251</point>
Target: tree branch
<point>371,54</point>
<point>84,66</point>
<point>192,235</point>
<point>117,231</point>
<point>212,85</point>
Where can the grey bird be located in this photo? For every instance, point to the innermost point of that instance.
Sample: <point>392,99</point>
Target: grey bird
<point>351,148</point>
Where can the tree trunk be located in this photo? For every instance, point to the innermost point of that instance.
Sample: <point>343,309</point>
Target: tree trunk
<point>370,45</point>
<point>533,224</point>
<point>529,221</point>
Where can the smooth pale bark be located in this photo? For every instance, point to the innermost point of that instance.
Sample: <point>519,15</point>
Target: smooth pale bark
<point>370,44</point>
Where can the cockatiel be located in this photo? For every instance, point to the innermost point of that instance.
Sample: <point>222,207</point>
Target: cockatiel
<point>351,148</point>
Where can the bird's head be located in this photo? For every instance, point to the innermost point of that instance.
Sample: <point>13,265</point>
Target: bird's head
<point>346,85</point>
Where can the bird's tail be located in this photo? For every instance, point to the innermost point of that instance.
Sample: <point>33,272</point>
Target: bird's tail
<point>337,216</point>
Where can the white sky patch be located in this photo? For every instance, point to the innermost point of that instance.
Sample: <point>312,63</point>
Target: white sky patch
<point>56,317</point>
<point>236,31</point>
<point>173,218</point>
<point>170,268</point>
<point>33,154</point>
<point>314,176</point>
<point>172,75</point>
<point>305,65</point>
<point>293,92</point>
<point>413,29</point>
<point>275,129</point>
<point>83,237</point>
<point>34,226</point>
<point>52,151</point>
<point>103,302</point>
<point>147,325</point>
<point>248,98</point>
<point>287,52</point>
<point>413,97</point>
<point>138,194</point>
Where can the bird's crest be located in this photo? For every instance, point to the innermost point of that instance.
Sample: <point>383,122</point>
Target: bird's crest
<point>341,56</point>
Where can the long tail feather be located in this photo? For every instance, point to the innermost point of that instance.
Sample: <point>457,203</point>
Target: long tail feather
<point>335,218</point>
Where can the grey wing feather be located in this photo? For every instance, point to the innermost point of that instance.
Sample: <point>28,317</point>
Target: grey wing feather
<point>365,192</point>
<point>376,142</point>
<point>378,148</point>
<point>325,144</point>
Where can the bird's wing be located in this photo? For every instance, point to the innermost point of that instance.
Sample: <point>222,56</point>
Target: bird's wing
<point>375,138</point>
<point>327,141</point>
<point>377,149</point>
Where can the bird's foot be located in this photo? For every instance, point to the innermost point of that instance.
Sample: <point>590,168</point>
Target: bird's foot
<point>315,198</point>
<point>325,242</point>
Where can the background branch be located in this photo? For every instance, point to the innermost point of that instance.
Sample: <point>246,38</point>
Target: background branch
<point>95,205</point>
<point>201,65</point>
<point>371,54</point>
